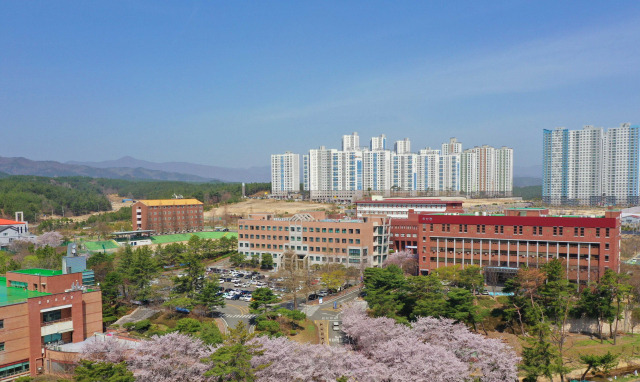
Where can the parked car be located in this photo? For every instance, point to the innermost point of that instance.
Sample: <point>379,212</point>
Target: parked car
<point>336,326</point>
<point>246,297</point>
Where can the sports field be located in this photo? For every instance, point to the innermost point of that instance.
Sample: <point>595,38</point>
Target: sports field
<point>162,239</point>
<point>98,245</point>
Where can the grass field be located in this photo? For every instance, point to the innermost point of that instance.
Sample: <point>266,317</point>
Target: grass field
<point>98,245</point>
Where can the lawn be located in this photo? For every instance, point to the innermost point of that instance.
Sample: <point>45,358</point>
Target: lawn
<point>307,336</point>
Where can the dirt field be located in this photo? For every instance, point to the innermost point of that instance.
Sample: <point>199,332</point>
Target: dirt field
<point>265,205</point>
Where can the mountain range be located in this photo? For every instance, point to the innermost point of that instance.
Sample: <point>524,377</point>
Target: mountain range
<point>131,168</point>
<point>226,174</point>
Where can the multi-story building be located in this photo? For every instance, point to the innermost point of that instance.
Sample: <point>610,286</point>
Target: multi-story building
<point>345,175</point>
<point>378,143</point>
<point>39,308</point>
<point>167,216</point>
<point>350,142</point>
<point>487,171</point>
<point>591,166</point>
<point>398,208</point>
<point>362,242</point>
<point>520,237</point>
<point>11,230</point>
<point>285,174</point>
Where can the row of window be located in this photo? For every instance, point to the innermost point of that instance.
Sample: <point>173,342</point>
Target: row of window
<point>294,247</point>
<point>304,239</point>
<point>299,229</point>
<point>14,369</point>
<point>517,230</point>
<point>515,243</point>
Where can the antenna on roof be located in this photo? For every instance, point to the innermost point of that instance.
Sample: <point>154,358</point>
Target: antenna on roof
<point>176,196</point>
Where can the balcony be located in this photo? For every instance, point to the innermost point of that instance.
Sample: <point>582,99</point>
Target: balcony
<point>58,326</point>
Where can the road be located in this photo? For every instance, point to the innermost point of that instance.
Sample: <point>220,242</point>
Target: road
<point>324,316</point>
<point>236,311</point>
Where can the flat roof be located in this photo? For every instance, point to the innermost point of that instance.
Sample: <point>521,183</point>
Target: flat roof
<point>39,272</point>
<point>170,202</point>
<point>14,295</point>
<point>9,222</point>
<point>133,232</point>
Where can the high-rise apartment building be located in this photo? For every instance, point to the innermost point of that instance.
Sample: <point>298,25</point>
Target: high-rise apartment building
<point>343,175</point>
<point>487,171</point>
<point>379,143</point>
<point>350,142</point>
<point>591,166</point>
<point>285,173</point>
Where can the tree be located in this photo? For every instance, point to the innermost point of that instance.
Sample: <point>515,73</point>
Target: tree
<point>616,289</point>
<point>599,363</point>
<point>237,259</point>
<point>406,260</point>
<point>168,358</point>
<point>52,239</point>
<point>262,298</point>
<point>539,359</point>
<point>143,269</point>
<point>90,371</point>
<point>460,307</point>
<point>294,273</point>
<point>267,261</point>
<point>385,290</point>
<point>333,279</point>
<point>425,297</point>
<point>232,360</point>
<point>471,279</point>
<point>210,334</point>
<point>209,297</point>
<point>188,326</point>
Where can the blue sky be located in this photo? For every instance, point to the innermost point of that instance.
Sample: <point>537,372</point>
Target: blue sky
<point>228,83</point>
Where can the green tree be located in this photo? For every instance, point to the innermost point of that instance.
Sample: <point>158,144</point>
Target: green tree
<point>425,297</point>
<point>262,298</point>
<point>232,360</point>
<point>599,363</point>
<point>471,279</point>
<point>192,280</point>
<point>267,261</point>
<point>89,371</point>
<point>540,358</point>
<point>210,334</point>
<point>143,269</point>
<point>209,297</point>
<point>188,326</point>
<point>237,259</point>
<point>460,307</point>
<point>385,288</point>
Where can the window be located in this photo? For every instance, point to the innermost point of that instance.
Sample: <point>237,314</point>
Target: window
<point>1,324</point>
<point>358,232</point>
<point>597,232</point>
<point>606,258</point>
<point>560,230</point>
<point>555,231</point>
<point>575,231</point>
<point>581,232</point>
<point>1,346</point>
<point>606,232</point>
<point>606,245</point>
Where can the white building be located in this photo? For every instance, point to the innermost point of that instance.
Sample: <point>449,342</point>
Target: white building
<point>376,170</point>
<point>350,142</point>
<point>379,143</point>
<point>591,166</point>
<point>452,147</point>
<point>11,230</point>
<point>487,171</point>
<point>403,146</point>
<point>285,173</point>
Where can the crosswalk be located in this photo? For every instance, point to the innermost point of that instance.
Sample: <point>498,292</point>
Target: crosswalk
<point>240,315</point>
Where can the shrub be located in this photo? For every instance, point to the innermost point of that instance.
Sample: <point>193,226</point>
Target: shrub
<point>142,326</point>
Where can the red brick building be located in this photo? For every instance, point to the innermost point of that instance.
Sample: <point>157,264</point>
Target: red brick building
<point>40,307</point>
<point>518,238</point>
<point>167,216</point>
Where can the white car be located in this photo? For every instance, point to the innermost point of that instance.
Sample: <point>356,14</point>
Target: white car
<point>235,280</point>
<point>246,298</point>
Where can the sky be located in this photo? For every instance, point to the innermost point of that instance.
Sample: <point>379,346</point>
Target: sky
<point>228,83</point>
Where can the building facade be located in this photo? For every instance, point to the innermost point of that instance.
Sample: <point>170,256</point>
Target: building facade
<point>398,208</point>
<point>329,174</point>
<point>520,237</point>
<point>168,216</point>
<point>591,166</point>
<point>40,308</point>
<point>285,173</point>
<point>315,239</point>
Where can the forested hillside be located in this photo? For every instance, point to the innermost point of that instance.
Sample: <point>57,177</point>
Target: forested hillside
<point>38,196</point>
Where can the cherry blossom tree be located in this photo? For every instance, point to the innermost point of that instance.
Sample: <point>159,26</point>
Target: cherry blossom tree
<point>51,238</point>
<point>168,358</point>
<point>105,349</point>
<point>405,259</point>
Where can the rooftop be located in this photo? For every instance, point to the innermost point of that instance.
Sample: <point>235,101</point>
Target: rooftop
<point>170,202</point>
<point>9,222</point>
<point>13,295</point>
<point>39,272</point>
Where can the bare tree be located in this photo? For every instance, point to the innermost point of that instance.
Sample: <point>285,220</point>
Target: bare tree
<point>294,273</point>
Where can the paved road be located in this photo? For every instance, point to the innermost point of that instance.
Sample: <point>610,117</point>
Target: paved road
<point>325,316</point>
<point>236,311</point>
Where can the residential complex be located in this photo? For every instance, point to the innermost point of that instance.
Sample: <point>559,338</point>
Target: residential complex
<point>350,173</point>
<point>591,166</point>
<point>167,216</point>
<point>316,239</point>
<point>41,308</point>
<point>285,174</point>
<point>504,243</point>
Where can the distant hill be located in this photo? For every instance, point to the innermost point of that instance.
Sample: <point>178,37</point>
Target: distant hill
<point>227,174</point>
<point>524,181</point>
<point>24,166</point>
<point>534,171</point>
